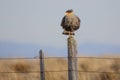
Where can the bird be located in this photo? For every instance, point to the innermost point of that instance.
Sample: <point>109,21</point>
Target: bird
<point>70,22</point>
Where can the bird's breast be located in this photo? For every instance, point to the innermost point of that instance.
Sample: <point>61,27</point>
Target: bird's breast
<point>71,20</point>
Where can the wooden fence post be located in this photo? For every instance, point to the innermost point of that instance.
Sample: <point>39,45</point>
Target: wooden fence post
<point>42,70</point>
<point>72,59</point>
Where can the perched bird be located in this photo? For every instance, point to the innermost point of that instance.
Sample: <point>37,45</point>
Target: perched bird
<point>70,23</point>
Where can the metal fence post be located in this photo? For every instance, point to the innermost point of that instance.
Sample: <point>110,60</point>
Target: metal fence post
<point>72,59</point>
<point>42,70</point>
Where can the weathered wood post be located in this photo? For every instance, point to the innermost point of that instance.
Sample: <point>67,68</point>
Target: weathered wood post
<point>72,59</point>
<point>42,70</point>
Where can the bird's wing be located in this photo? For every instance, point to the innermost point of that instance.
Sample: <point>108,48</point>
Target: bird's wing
<point>63,22</point>
<point>76,22</point>
<point>79,21</point>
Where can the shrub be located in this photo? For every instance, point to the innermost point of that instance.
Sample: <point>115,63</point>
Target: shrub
<point>21,67</point>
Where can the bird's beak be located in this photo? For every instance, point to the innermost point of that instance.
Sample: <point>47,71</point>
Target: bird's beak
<point>66,13</point>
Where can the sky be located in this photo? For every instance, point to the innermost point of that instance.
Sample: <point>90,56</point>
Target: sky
<point>34,24</point>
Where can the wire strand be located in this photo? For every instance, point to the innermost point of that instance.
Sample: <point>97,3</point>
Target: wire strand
<point>61,58</point>
<point>64,71</point>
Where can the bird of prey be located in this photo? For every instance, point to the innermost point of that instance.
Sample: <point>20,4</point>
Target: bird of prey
<point>70,23</point>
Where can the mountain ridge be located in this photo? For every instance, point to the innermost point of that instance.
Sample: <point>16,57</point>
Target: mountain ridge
<point>11,49</point>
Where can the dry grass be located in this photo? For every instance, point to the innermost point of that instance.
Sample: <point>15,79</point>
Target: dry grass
<point>20,67</point>
<point>84,64</point>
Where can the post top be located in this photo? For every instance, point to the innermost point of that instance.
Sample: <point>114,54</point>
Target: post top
<point>70,36</point>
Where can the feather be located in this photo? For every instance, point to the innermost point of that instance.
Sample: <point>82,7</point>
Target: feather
<point>70,22</point>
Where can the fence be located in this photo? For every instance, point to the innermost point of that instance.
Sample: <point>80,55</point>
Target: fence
<point>72,68</point>
<point>89,68</point>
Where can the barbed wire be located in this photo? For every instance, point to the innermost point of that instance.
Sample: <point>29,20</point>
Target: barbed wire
<point>61,58</point>
<point>83,57</point>
<point>64,71</point>
<point>23,72</point>
<point>16,58</point>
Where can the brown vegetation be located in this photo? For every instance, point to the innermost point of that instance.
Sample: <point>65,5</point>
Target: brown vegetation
<point>22,69</point>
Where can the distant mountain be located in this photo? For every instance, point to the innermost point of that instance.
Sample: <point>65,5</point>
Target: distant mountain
<point>98,49</point>
<point>8,49</point>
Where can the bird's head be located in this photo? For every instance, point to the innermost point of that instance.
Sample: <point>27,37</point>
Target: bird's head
<point>69,12</point>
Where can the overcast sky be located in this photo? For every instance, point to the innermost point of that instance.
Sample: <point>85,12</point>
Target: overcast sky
<point>38,21</point>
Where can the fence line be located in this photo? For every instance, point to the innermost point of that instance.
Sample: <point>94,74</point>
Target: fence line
<point>66,71</point>
<point>62,70</point>
<point>23,72</point>
<point>63,58</point>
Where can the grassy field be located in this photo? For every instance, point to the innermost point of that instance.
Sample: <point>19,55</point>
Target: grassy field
<point>13,69</point>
